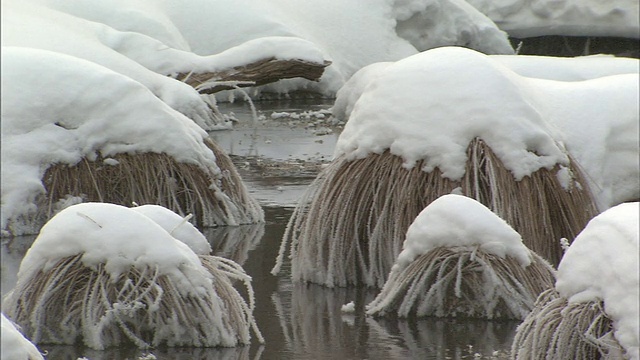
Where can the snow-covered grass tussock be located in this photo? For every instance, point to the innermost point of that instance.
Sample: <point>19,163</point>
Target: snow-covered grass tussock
<point>378,199</point>
<point>120,142</point>
<point>15,346</point>
<point>107,275</point>
<point>587,106</point>
<point>460,259</point>
<point>593,309</point>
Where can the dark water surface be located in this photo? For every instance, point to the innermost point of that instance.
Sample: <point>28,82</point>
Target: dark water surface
<point>298,321</point>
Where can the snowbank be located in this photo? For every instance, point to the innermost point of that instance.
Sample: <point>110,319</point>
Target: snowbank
<point>528,18</point>
<point>72,108</point>
<point>456,220</point>
<point>146,40</point>
<point>568,69</point>
<point>15,346</point>
<point>428,24</point>
<point>540,67</point>
<point>27,24</point>
<point>527,117</point>
<point>602,264</point>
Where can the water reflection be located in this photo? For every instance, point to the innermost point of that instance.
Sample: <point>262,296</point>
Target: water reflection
<point>234,242</point>
<point>11,254</point>
<point>313,324</point>
<point>305,321</point>
<point>74,352</point>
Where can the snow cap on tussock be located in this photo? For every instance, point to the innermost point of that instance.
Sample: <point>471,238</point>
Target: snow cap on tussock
<point>530,110</point>
<point>456,220</point>
<point>431,105</point>
<point>602,264</point>
<point>116,236</point>
<point>177,226</point>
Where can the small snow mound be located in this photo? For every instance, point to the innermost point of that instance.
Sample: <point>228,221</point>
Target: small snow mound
<point>455,220</point>
<point>114,235</point>
<point>348,307</point>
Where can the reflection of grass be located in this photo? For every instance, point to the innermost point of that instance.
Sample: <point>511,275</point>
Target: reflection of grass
<point>557,329</point>
<point>350,225</point>
<point>464,282</point>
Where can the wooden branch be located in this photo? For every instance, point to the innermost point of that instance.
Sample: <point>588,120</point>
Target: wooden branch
<point>257,73</point>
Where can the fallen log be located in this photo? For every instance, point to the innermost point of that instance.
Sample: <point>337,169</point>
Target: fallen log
<point>257,73</point>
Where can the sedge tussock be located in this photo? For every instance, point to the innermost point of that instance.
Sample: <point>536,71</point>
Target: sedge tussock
<point>72,303</point>
<point>557,329</point>
<point>156,178</point>
<point>464,281</point>
<point>348,228</point>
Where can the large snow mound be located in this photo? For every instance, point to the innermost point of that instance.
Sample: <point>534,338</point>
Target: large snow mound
<point>530,110</point>
<point>602,264</point>
<point>70,109</point>
<point>431,105</point>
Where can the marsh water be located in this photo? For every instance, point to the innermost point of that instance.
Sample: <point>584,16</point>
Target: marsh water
<point>278,154</point>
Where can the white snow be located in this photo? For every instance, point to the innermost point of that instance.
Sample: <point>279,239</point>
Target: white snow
<point>27,24</point>
<point>421,23</point>
<point>177,226</point>
<point>117,237</point>
<point>602,264</point>
<point>567,68</point>
<point>349,307</point>
<point>528,18</point>
<point>14,345</point>
<point>98,111</point>
<point>148,39</point>
<point>540,67</point>
<point>457,221</point>
<point>431,105</point>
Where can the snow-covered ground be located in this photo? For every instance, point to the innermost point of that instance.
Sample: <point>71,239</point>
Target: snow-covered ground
<point>528,18</point>
<point>148,40</point>
<point>602,264</point>
<point>530,118</point>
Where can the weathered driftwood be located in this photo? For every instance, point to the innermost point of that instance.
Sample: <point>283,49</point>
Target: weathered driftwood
<point>257,73</point>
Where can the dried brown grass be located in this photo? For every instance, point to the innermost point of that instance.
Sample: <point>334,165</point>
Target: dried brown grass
<point>350,225</point>
<point>72,303</point>
<point>464,282</point>
<point>157,178</point>
<point>557,329</point>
